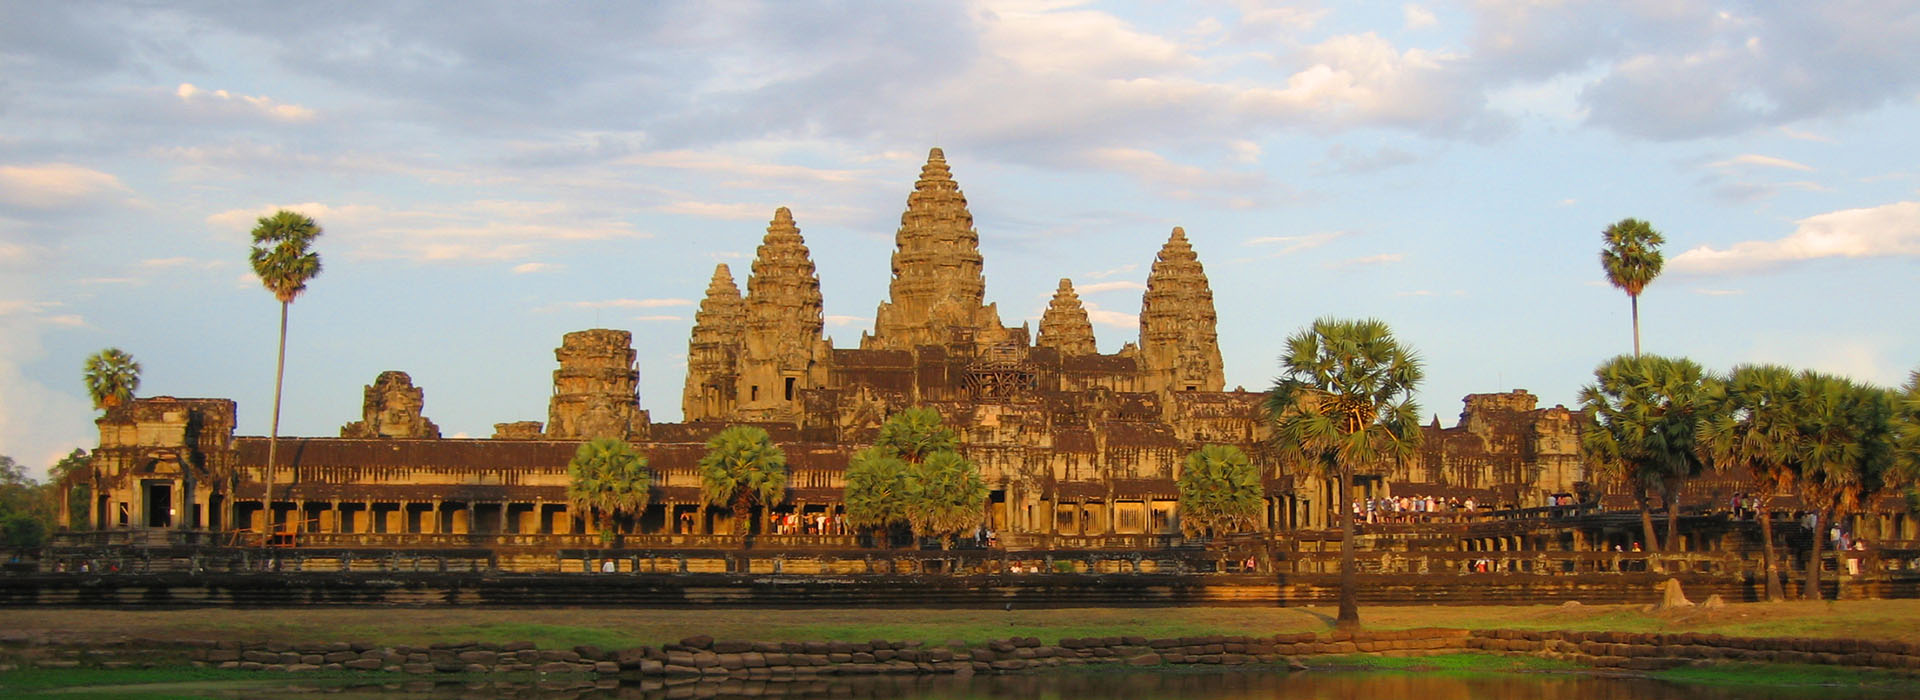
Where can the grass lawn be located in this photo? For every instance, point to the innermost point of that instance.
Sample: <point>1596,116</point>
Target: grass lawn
<point>617,628</point>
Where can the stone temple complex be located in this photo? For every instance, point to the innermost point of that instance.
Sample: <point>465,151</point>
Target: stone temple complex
<point>1080,448</point>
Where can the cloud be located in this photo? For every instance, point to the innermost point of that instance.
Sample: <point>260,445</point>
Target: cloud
<point>1111,319</point>
<point>1888,230</point>
<point>659,318</point>
<point>1369,261</point>
<point>1098,287</point>
<point>1348,161</point>
<point>226,101</point>
<point>1417,17</point>
<point>532,267</point>
<point>472,231</point>
<point>54,186</point>
<point>1294,244</point>
<point>1121,270</point>
<point>1751,159</point>
<point>616,304</point>
<point>841,320</point>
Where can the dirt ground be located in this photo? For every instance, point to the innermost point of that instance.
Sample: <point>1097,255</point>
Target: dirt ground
<point>1878,619</point>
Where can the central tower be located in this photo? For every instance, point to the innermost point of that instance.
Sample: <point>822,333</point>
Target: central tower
<point>938,286</point>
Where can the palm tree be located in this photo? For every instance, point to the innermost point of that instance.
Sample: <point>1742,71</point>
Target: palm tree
<point>1907,433</point>
<point>112,376</point>
<point>915,433</point>
<point>1219,492</point>
<point>1749,424</point>
<point>876,490</point>
<point>1344,398</point>
<point>945,496</point>
<point>742,468</point>
<point>1632,259</point>
<point>608,479</point>
<point>1645,410</point>
<point>284,264</point>
<point>1847,448</point>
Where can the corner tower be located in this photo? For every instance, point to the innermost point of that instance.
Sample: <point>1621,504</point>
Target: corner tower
<point>781,345</point>
<point>713,351</point>
<point>1179,344</point>
<point>938,286</point>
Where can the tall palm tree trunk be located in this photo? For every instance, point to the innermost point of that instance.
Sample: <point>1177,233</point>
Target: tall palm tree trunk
<point>1349,617</point>
<point>1635,299</point>
<point>1646,518</point>
<point>1775,593</point>
<point>273,433</point>
<point>1673,515</point>
<point>1812,591</point>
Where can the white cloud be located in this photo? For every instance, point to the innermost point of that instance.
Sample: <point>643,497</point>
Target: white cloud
<point>1370,260</point>
<point>532,267</point>
<point>842,320</point>
<point>1805,135</point>
<point>617,304</point>
<point>221,99</point>
<point>1753,159</point>
<point>1121,270</point>
<point>1889,230</point>
<point>1417,17</point>
<point>1294,244</point>
<point>1111,319</point>
<point>50,186</point>
<point>1098,287</point>
<point>472,231</point>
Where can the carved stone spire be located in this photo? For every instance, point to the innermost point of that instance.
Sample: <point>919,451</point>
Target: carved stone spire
<point>713,370</point>
<point>1065,325</point>
<point>391,409</point>
<point>783,323</point>
<point>937,282</point>
<point>594,391</point>
<point>1179,345</point>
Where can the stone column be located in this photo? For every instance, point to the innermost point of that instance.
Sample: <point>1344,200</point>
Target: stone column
<point>433,518</point>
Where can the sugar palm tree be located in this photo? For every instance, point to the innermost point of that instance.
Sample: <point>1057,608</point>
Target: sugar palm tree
<point>1632,259</point>
<point>1907,435</point>
<point>1645,411</point>
<point>1344,398</point>
<point>1749,425</point>
<point>915,433</point>
<point>742,468</point>
<point>876,491</point>
<point>1219,492</point>
<point>607,479</point>
<point>1847,448</point>
<point>282,260</point>
<point>946,496</point>
<point>112,376</point>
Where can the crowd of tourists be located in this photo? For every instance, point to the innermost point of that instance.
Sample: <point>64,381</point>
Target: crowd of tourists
<point>1410,509</point>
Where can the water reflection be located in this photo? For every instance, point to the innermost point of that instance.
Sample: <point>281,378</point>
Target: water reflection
<point>1122,685</point>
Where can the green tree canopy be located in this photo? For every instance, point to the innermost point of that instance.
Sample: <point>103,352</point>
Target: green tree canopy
<point>1749,424</point>
<point>742,467</point>
<point>876,489</point>
<point>946,496</point>
<point>606,479</point>
<point>1219,492</point>
<point>1645,411</point>
<point>1846,453</point>
<point>1907,435</point>
<point>915,433</point>
<point>23,508</point>
<point>1345,398</point>
<point>111,376</point>
<point>1631,258</point>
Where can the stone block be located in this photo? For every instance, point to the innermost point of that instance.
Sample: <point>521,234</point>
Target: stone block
<point>606,668</point>
<point>1008,665</point>
<point>362,664</point>
<point>1147,659</point>
<point>697,642</point>
<point>731,647</point>
<point>417,669</point>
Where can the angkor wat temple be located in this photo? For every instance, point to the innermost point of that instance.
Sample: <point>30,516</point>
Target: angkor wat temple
<point>1081,448</point>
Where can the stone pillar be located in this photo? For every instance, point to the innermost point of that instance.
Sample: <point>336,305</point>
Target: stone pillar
<point>433,519</point>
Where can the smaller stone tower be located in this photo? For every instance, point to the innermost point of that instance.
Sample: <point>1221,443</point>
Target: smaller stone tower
<point>594,390</point>
<point>713,352</point>
<point>782,349</point>
<point>391,409</point>
<point>1065,325</point>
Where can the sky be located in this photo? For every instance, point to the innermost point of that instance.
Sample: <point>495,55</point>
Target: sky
<point>492,175</point>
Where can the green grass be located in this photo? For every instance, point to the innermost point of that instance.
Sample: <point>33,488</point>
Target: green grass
<point>1789,675</point>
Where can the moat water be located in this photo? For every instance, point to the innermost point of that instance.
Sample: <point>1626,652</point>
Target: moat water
<point>1141,685</point>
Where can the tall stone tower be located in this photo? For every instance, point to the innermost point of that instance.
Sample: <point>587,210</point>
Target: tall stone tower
<point>1065,325</point>
<point>782,350</point>
<point>937,289</point>
<point>1179,346</point>
<point>593,391</point>
<point>713,352</point>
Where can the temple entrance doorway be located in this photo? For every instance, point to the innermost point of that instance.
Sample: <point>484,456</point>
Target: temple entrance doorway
<point>159,503</point>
